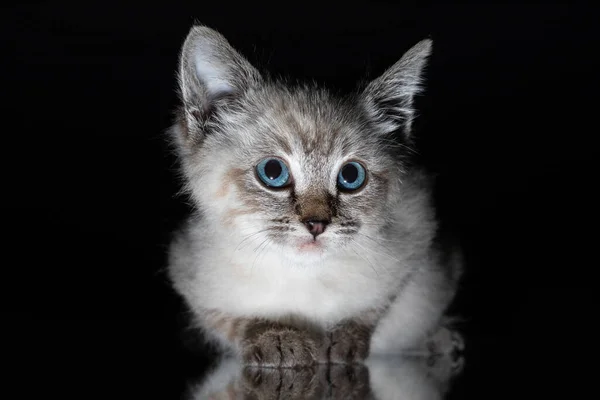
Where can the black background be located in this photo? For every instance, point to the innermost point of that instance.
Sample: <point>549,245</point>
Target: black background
<point>507,120</point>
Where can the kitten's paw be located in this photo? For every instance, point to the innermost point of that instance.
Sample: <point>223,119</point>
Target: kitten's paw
<point>445,341</point>
<point>347,344</point>
<point>448,344</point>
<point>279,347</point>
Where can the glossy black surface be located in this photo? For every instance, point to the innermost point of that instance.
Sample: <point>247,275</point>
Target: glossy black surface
<point>507,120</point>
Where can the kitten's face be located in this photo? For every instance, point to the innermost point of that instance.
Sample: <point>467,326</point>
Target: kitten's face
<point>271,174</point>
<point>291,170</point>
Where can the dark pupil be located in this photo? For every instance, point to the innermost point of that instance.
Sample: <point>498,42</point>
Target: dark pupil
<point>273,169</point>
<point>349,173</point>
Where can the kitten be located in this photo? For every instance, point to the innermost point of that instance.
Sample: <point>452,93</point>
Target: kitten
<point>314,237</point>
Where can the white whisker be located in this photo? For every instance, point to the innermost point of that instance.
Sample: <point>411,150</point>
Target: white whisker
<point>386,253</point>
<point>364,259</point>
<point>368,250</point>
<point>259,249</point>
<point>252,235</point>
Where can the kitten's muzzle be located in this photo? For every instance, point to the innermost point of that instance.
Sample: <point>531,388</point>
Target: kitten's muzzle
<point>315,226</point>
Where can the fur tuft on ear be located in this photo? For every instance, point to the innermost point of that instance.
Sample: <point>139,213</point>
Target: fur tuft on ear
<point>210,70</point>
<point>389,98</point>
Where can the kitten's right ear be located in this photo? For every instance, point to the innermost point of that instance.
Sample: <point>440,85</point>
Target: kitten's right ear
<point>210,71</point>
<point>389,99</point>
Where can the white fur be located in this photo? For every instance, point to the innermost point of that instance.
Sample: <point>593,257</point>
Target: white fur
<point>213,74</point>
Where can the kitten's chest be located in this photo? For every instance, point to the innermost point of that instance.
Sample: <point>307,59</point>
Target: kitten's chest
<point>271,290</point>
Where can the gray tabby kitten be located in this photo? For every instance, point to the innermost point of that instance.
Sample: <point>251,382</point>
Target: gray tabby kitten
<point>313,240</point>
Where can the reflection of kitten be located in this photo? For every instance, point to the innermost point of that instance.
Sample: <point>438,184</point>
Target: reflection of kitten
<point>313,239</point>
<point>380,378</point>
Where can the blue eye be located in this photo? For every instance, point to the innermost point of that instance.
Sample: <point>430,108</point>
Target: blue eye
<point>351,177</point>
<point>273,172</point>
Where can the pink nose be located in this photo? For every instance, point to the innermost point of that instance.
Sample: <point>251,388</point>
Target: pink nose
<point>315,227</point>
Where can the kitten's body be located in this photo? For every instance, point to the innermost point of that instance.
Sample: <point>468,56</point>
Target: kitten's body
<point>247,266</point>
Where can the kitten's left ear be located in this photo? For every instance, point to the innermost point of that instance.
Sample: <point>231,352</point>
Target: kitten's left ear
<point>389,98</point>
<point>211,72</point>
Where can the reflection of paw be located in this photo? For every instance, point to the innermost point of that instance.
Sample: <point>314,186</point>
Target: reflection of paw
<point>279,347</point>
<point>347,382</point>
<point>347,344</point>
<point>321,381</point>
<point>284,383</point>
<point>445,366</point>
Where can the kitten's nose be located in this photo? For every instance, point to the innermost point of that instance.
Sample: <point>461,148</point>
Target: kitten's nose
<point>315,226</point>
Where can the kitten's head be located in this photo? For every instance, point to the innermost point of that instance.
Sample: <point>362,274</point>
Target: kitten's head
<point>294,169</point>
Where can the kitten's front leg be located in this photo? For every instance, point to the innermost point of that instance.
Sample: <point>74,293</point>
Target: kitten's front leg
<point>347,343</point>
<point>265,343</point>
<point>271,344</point>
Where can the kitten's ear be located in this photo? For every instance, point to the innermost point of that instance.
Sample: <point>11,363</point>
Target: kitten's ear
<point>211,71</point>
<point>389,98</point>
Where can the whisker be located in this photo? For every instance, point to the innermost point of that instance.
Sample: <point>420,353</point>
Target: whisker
<point>263,250</point>
<point>368,250</point>
<point>380,245</point>
<point>364,259</point>
<point>258,250</point>
<point>381,239</point>
<point>248,237</point>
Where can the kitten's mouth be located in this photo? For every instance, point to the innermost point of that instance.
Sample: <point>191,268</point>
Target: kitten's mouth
<point>311,245</point>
